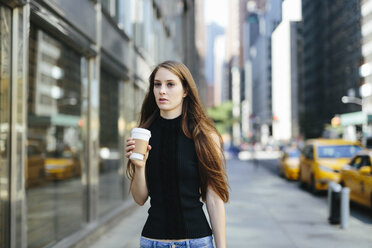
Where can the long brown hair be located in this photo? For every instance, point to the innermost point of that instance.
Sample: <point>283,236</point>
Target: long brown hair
<point>196,126</point>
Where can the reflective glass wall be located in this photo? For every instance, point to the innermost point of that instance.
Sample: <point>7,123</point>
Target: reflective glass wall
<point>110,180</point>
<point>5,53</point>
<point>54,143</point>
<point>63,157</point>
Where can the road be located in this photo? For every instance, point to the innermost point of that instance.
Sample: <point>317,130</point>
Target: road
<point>265,211</point>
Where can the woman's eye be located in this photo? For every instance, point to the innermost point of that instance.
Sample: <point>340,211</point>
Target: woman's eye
<point>170,84</point>
<point>157,84</point>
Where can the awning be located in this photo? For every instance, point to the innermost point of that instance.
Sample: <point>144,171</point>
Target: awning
<point>355,118</point>
<point>55,120</point>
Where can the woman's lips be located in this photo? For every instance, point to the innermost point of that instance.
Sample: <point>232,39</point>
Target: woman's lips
<point>163,100</point>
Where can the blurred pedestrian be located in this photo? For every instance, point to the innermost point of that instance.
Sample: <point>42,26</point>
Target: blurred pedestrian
<point>185,165</point>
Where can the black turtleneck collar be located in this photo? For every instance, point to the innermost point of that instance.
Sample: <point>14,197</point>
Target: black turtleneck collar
<point>170,122</point>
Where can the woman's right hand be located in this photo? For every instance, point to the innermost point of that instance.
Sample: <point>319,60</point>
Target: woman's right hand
<point>129,150</point>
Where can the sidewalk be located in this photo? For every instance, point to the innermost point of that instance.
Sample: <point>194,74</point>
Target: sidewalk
<point>264,211</point>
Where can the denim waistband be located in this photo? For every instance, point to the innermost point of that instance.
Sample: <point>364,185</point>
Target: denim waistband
<point>206,242</point>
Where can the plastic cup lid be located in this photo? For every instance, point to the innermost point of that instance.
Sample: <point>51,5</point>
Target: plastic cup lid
<point>141,130</point>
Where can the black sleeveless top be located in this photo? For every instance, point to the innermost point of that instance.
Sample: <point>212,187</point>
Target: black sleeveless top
<point>173,182</point>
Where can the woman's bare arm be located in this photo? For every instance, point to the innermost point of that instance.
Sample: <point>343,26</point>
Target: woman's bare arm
<point>217,217</point>
<point>216,210</point>
<point>138,186</point>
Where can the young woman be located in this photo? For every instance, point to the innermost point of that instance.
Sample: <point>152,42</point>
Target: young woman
<point>184,162</point>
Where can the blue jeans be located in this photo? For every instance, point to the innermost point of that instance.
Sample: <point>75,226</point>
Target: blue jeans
<point>206,242</point>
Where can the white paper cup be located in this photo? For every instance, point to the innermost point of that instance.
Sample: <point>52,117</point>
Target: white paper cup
<point>141,137</point>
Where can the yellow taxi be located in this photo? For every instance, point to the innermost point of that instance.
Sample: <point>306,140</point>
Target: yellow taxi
<point>62,166</point>
<point>356,175</point>
<point>289,163</point>
<point>321,161</point>
<point>34,170</point>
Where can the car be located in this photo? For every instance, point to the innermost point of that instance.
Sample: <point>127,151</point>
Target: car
<point>34,169</point>
<point>289,163</point>
<point>367,142</point>
<point>62,165</point>
<point>356,175</point>
<point>321,161</point>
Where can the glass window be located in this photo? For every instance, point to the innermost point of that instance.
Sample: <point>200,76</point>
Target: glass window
<point>109,6</point>
<point>124,15</point>
<point>340,151</point>
<point>120,11</point>
<point>148,20</point>
<point>5,53</point>
<point>356,161</point>
<point>369,142</point>
<point>54,144</point>
<point>110,181</point>
<point>366,160</point>
<point>294,153</point>
<point>138,22</point>
<point>359,161</point>
<point>308,151</point>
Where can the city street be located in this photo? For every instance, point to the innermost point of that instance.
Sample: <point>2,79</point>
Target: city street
<point>265,211</point>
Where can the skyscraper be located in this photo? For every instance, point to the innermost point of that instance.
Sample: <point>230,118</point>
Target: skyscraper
<point>259,25</point>
<point>332,56</point>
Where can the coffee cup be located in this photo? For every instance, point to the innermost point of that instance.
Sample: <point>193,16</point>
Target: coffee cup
<point>141,137</point>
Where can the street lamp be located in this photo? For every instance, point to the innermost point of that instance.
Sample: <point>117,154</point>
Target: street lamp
<point>351,99</point>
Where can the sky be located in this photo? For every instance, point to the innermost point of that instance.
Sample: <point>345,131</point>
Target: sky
<point>216,11</point>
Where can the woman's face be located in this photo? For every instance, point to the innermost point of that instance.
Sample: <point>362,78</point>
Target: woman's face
<point>169,93</point>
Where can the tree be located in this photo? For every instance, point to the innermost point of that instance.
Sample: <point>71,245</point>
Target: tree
<point>222,116</point>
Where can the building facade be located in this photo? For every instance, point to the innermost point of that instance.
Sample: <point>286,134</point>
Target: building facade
<point>233,71</point>
<point>220,81</point>
<point>365,69</point>
<point>73,75</point>
<point>332,57</point>
<point>286,72</point>
<point>260,24</point>
<point>200,46</point>
<point>213,30</point>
